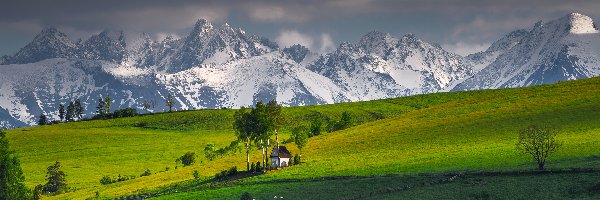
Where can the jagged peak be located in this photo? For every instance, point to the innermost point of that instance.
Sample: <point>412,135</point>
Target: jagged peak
<point>112,34</point>
<point>296,52</point>
<point>376,37</point>
<point>375,34</point>
<point>202,26</point>
<point>51,31</point>
<point>410,38</point>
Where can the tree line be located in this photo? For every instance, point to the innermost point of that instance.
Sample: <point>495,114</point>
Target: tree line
<point>74,111</point>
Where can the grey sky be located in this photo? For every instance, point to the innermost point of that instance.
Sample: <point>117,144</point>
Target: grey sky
<point>458,25</point>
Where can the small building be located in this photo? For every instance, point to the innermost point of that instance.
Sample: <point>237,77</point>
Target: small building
<point>280,157</point>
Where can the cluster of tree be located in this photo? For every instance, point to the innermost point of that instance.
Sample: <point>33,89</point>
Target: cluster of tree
<point>187,159</point>
<point>256,126</point>
<point>146,173</point>
<point>226,173</point>
<point>345,122</point>
<point>125,112</point>
<point>73,112</point>
<point>211,153</point>
<point>255,167</point>
<point>108,180</point>
<point>103,110</point>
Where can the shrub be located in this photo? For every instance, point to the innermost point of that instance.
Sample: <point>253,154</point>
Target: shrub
<point>246,196</point>
<point>187,159</point>
<point>196,174</point>
<point>258,168</point>
<point>106,180</point>
<point>126,112</point>
<point>37,192</point>
<point>345,122</point>
<point>146,173</point>
<point>296,159</point>
<point>225,173</point>
<point>232,171</point>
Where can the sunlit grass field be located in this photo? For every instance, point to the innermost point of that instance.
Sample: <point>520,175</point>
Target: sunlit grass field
<point>435,133</point>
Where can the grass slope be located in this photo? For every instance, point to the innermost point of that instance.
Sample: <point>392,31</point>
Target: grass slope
<point>432,133</point>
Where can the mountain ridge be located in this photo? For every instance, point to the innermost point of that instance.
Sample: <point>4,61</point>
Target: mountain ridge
<point>223,66</point>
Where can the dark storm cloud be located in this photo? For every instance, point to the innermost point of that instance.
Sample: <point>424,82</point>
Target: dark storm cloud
<point>475,22</point>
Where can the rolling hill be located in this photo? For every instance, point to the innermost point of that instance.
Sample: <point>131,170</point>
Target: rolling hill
<point>394,142</point>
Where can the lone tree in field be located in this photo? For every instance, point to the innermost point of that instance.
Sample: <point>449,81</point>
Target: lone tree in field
<point>170,102</point>
<point>538,142</point>
<point>56,179</point>
<point>11,176</point>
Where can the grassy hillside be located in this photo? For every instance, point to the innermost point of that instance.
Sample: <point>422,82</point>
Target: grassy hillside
<point>433,133</point>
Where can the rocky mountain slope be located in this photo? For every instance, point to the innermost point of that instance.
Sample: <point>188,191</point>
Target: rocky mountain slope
<point>564,49</point>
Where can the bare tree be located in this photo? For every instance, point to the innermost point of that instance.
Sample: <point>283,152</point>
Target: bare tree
<point>170,102</point>
<point>538,142</point>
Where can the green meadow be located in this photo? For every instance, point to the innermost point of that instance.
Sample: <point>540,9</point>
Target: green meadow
<point>399,148</point>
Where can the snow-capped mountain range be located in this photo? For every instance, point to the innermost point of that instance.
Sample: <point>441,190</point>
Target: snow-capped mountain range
<point>223,66</point>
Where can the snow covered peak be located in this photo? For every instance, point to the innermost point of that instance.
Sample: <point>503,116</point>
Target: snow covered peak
<point>376,42</point>
<point>49,43</point>
<point>579,24</point>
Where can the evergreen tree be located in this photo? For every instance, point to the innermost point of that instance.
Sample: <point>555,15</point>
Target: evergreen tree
<point>61,112</point>
<point>107,101</point>
<point>170,102</point>
<point>11,175</point>
<point>79,109</point>
<point>56,179</point>
<point>70,112</point>
<point>101,108</point>
<point>42,120</point>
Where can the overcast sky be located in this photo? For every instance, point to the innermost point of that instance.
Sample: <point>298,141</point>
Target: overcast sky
<point>462,26</point>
